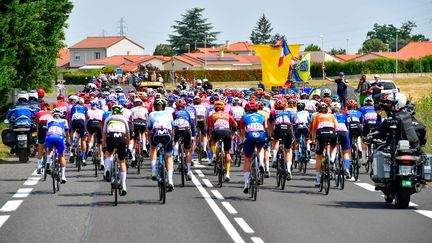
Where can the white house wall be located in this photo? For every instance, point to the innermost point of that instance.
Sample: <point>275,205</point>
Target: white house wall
<point>124,47</point>
<point>85,55</point>
<point>155,62</point>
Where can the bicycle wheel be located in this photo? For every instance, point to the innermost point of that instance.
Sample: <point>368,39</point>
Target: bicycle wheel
<point>256,182</point>
<point>284,176</point>
<point>44,167</point>
<point>95,159</point>
<point>342,173</point>
<point>162,183</point>
<point>54,180</point>
<point>279,156</point>
<point>327,180</point>
<point>182,164</point>
<point>221,162</point>
<point>199,147</point>
<point>78,160</point>
<point>369,159</point>
<point>336,171</point>
<point>115,181</point>
<point>355,162</point>
<point>305,158</point>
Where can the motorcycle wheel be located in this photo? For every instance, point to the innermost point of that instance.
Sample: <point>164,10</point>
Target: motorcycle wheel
<point>23,155</point>
<point>402,198</point>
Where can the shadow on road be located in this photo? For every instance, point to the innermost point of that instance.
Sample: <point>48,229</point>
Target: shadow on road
<point>359,205</point>
<point>110,203</point>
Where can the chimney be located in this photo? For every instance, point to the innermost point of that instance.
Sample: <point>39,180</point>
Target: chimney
<point>222,54</point>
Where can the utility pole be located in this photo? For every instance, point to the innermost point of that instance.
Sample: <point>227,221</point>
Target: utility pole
<point>346,50</point>
<point>103,32</point>
<point>323,54</point>
<point>122,27</point>
<point>396,53</point>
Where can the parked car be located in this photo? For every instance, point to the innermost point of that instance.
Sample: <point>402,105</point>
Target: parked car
<point>389,86</point>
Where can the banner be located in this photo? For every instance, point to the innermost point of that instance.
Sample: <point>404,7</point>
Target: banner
<point>301,72</point>
<point>272,73</point>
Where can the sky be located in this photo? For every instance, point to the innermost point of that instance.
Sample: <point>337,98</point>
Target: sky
<point>342,23</point>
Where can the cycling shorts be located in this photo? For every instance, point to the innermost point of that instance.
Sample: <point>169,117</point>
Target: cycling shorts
<point>116,140</point>
<point>186,135</point>
<point>254,139</point>
<point>201,126</point>
<point>57,141</point>
<point>284,132</point>
<point>95,127</point>
<point>79,127</point>
<point>344,140</point>
<point>164,137</point>
<point>325,135</point>
<point>301,130</point>
<point>225,135</point>
<point>368,127</point>
<point>42,132</point>
<point>355,129</point>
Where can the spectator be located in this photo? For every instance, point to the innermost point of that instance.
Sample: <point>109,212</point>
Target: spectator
<point>261,85</point>
<point>342,88</point>
<point>376,87</point>
<point>362,89</point>
<point>153,76</point>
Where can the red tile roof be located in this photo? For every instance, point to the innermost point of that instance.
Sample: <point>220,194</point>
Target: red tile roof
<point>385,54</point>
<point>118,60</point>
<point>415,50</point>
<point>347,57</point>
<point>100,42</point>
<point>185,60</point>
<point>63,58</point>
<point>129,67</point>
<point>239,46</point>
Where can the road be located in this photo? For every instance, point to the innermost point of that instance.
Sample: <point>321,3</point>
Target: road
<point>83,210</point>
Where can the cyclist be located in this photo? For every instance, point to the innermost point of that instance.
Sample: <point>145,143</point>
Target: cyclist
<point>343,135</point>
<point>355,119</point>
<point>302,119</point>
<point>369,121</point>
<point>42,118</point>
<point>202,117</point>
<point>183,127</point>
<point>280,125</point>
<point>116,136</point>
<point>77,117</point>
<point>127,113</point>
<point>309,104</point>
<point>192,112</point>
<point>139,117</point>
<point>57,128</point>
<point>94,126</point>
<point>323,128</point>
<point>61,102</point>
<point>220,124</point>
<point>160,128</point>
<point>253,127</point>
<point>265,111</point>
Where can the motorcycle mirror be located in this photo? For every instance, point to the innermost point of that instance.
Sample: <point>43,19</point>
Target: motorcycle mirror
<point>6,121</point>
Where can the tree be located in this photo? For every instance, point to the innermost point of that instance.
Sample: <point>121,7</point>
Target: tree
<point>192,29</point>
<point>275,38</point>
<point>338,52</point>
<point>373,45</point>
<point>261,34</point>
<point>312,47</point>
<point>32,34</point>
<point>163,50</point>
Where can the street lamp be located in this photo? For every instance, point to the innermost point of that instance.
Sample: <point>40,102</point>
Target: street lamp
<point>323,54</point>
<point>188,47</point>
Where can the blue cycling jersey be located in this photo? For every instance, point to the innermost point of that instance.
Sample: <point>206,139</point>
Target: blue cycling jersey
<point>342,121</point>
<point>78,112</point>
<point>192,112</point>
<point>354,116</point>
<point>183,120</point>
<point>369,113</point>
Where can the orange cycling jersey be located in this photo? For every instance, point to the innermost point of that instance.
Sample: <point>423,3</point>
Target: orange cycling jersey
<point>323,120</point>
<point>221,121</point>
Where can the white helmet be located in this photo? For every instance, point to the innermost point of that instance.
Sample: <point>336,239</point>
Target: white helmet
<point>33,95</point>
<point>23,97</point>
<point>335,105</point>
<point>73,98</point>
<point>326,92</point>
<point>399,99</point>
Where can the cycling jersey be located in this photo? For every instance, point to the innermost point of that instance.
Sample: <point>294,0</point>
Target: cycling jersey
<point>116,124</point>
<point>302,118</point>
<point>55,134</point>
<point>354,116</point>
<point>255,126</point>
<point>192,112</point>
<point>95,115</point>
<point>61,104</point>
<point>170,109</point>
<point>183,121</point>
<point>237,112</point>
<point>42,117</point>
<point>221,121</point>
<point>78,112</point>
<point>342,130</point>
<point>160,120</point>
<point>369,114</point>
<point>323,120</point>
<point>201,112</point>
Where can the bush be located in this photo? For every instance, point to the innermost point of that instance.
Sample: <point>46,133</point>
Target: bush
<point>423,114</point>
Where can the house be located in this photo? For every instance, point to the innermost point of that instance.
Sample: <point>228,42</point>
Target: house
<point>62,62</point>
<point>320,56</point>
<point>242,48</point>
<point>93,48</point>
<point>347,57</point>
<point>415,50</point>
<point>375,55</point>
<point>128,63</point>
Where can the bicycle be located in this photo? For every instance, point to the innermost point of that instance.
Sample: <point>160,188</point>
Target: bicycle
<point>182,161</point>
<point>95,153</point>
<point>281,166</point>
<point>77,157</point>
<point>254,177</point>
<point>219,166</point>
<point>162,174</point>
<point>303,154</point>
<point>199,148</point>
<point>115,179</point>
<point>325,170</point>
<point>355,161</point>
<point>139,155</point>
<point>238,148</point>
<point>370,148</point>
<point>339,167</point>
<point>55,172</point>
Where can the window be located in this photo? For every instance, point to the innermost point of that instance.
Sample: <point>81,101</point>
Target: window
<point>97,55</point>
<point>77,57</point>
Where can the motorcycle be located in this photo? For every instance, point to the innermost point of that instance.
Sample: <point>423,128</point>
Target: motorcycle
<point>19,137</point>
<point>397,170</point>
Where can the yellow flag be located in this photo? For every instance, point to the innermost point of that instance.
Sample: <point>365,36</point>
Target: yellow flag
<point>272,74</point>
<point>303,68</point>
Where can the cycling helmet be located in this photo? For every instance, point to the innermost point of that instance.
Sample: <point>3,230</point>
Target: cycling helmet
<point>219,105</point>
<point>94,104</point>
<point>327,100</point>
<point>138,100</point>
<point>73,98</point>
<point>236,100</point>
<point>123,102</point>
<point>323,107</point>
<point>300,106</point>
<point>335,105</point>
<point>58,112</point>
<point>40,92</point>
<point>397,100</point>
<point>180,103</point>
<point>352,104</point>
<point>316,92</point>
<point>131,91</point>
<point>334,98</point>
<point>197,100</point>
<point>229,99</point>
<point>33,95</point>
<point>44,105</point>
<point>117,109</point>
<point>252,106</point>
<point>279,105</point>
<point>304,96</point>
<point>118,89</point>
<point>161,102</point>
<point>214,98</point>
<point>105,94</point>
<point>368,100</point>
<point>172,99</point>
<point>60,97</point>
<point>326,92</point>
<point>191,94</point>
<point>291,102</point>
<point>188,100</point>
<point>410,108</point>
<point>183,93</point>
<point>23,97</point>
<point>80,100</point>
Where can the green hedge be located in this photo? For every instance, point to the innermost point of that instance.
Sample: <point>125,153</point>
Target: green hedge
<point>217,75</point>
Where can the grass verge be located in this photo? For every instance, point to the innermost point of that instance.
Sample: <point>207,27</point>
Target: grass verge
<point>423,114</point>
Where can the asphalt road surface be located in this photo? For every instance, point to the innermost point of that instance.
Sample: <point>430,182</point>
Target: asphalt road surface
<point>83,210</point>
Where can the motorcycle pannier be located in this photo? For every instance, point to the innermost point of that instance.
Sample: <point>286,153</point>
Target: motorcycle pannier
<point>426,167</point>
<point>8,137</point>
<point>381,165</point>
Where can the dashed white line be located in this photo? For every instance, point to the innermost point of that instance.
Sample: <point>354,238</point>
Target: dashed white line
<point>199,172</point>
<point>426,213</point>
<point>229,208</point>
<point>22,192</point>
<point>217,194</point>
<point>31,181</point>
<point>35,173</point>
<point>3,219</point>
<point>207,183</point>
<point>235,236</point>
<point>366,186</point>
<point>242,223</point>
<point>256,240</point>
<point>11,205</point>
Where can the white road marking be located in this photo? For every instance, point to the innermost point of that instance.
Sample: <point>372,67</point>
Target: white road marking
<point>35,173</point>
<point>235,236</point>
<point>31,181</point>
<point>352,179</point>
<point>246,228</point>
<point>23,192</point>
<point>257,240</point>
<point>207,183</point>
<point>426,213</point>
<point>217,194</point>
<point>366,186</point>
<point>197,165</point>
<point>312,161</point>
<point>229,208</point>
<point>11,205</point>
<point>3,219</point>
<point>199,172</point>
